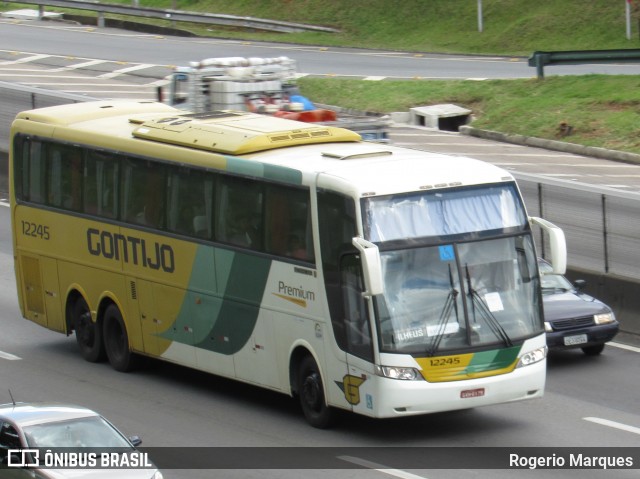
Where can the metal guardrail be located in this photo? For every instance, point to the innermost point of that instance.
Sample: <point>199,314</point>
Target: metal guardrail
<point>180,16</point>
<point>540,59</point>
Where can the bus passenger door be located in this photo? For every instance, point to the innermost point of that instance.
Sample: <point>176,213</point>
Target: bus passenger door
<point>41,291</point>
<point>358,384</point>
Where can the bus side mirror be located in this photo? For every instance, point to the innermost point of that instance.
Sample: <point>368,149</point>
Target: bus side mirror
<point>371,266</point>
<point>557,244</point>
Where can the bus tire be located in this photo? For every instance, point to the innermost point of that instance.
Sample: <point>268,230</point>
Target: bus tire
<point>116,341</point>
<point>311,395</point>
<point>88,333</point>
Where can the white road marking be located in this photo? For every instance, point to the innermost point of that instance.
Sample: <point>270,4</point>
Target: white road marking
<point>4,203</point>
<point>8,356</point>
<point>80,65</point>
<point>380,468</point>
<point>44,74</point>
<point>32,58</point>
<point>122,71</point>
<point>374,78</point>
<point>624,346</point>
<point>613,424</point>
<point>90,86</point>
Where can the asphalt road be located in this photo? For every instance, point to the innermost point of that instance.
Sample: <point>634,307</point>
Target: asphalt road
<point>105,43</point>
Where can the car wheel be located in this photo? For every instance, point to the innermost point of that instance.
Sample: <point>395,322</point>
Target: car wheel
<point>593,350</point>
<point>116,341</point>
<point>311,395</point>
<point>88,333</point>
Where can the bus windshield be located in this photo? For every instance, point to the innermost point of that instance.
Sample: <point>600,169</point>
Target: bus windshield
<point>459,296</point>
<point>459,269</point>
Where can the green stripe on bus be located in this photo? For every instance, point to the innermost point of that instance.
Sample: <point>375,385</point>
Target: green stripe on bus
<point>261,170</point>
<point>219,313</point>
<point>493,360</point>
<point>242,288</point>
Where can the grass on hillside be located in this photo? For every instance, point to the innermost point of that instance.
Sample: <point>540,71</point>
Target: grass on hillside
<point>448,26</point>
<point>603,110</point>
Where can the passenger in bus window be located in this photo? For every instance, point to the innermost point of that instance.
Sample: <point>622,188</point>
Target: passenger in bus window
<point>297,248</point>
<point>244,232</point>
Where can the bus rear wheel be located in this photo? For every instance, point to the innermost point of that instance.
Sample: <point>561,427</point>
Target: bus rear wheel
<point>88,333</point>
<point>116,341</point>
<point>311,395</point>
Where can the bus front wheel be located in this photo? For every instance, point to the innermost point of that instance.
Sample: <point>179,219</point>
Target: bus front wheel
<point>311,395</point>
<point>116,341</point>
<point>88,333</point>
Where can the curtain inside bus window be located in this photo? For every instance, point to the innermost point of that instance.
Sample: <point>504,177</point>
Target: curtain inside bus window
<point>37,170</point>
<point>239,213</point>
<point>189,202</point>
<point>443,212</point>
<point>64,176</point>
<point>288,223</point>
<point>101,184</point>
<point>143,194</point>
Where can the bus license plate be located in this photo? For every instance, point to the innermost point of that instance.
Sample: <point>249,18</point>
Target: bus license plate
<point>573,340</point>
<point>472,393</point>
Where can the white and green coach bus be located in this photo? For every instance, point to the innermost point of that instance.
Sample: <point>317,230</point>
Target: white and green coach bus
<point>356,276</point>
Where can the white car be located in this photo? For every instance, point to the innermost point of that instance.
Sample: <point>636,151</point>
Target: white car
<point>66,431</point>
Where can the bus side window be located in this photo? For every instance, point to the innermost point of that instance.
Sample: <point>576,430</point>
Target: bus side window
<point>356,314</point>
<point>288,223</point>
<point>64,164</point>
<point>239,213</point>
<point>190,203</point>
<point>337,226</point>
<point>143,193</point>
<point>31,173</point>
<point>101,185</point>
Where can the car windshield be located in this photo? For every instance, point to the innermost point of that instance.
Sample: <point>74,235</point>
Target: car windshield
<point>551,281</point>
<point>92,431</point>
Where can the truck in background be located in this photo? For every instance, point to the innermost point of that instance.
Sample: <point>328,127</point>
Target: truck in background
<point>260,85</point>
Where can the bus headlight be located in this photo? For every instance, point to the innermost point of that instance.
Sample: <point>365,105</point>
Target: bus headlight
<point>604,318</point>
<point>547,327</point>
<point>532,357</point>
<point>393,372</point>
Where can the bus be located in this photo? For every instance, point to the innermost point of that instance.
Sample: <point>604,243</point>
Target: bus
<point>295,257</point>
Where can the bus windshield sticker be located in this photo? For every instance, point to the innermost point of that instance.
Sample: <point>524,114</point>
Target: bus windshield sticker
<point>446,252</point>
<point>450,328</point>
<point>494,302</point>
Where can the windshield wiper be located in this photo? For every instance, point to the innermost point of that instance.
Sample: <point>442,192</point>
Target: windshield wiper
<point>486,313</point>
<point>449,303</point>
